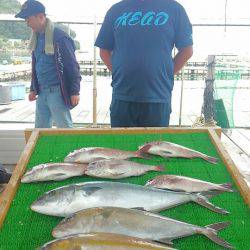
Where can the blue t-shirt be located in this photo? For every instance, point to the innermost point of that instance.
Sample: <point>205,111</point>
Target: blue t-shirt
<point>141,35</point>
<point>45,64</point>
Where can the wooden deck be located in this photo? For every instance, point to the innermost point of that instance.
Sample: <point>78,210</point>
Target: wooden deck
<point>23,111</point>
<point>235,141</point>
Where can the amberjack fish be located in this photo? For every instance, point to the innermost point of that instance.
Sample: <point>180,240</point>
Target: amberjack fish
<point>167,149</point>
<point>64,201</point>
<point>102,241</point>
<point>53,172</point>
<point>186,184</point>
<point>87,155</point>
<point>135,223</point>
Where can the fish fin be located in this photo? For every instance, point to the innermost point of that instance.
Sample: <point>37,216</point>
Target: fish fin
<point>165,154</point>
<point>227,186</point>
<point>211,232</point>
<point>60,177</point>
<point>219,226</point>
<point>211,193</point>
<point>211,159</point>
<point>139,208</point>
<point>166,241</point>
<point>143,152</point>
<point>117,174</point>
<point>90,190</point>
<point>97,159</point>
<point>203,201</point>
<point>159,168</point>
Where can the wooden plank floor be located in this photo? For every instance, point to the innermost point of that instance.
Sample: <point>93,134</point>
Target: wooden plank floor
<point>23,110</point>
<point>237,143</point>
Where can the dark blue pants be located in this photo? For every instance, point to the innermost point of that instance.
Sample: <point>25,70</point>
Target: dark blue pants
<point>139,114</point>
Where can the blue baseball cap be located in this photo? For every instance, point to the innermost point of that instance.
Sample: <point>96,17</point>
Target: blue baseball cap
<point>30,8</point>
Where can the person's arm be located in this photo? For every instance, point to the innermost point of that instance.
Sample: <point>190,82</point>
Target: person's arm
<point>182,57</point>
<point>106,57</point>
<point>72,69</point>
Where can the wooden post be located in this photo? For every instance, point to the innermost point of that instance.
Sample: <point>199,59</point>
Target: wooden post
<point>181,99</point>
<point>94,79</point>
<point>208,101</point>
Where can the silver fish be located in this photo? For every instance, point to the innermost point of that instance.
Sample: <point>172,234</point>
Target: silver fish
<point>87,155</point>
<point>117,169</point>
<point>186,184</point>
<point>102,241</point>
<point>135,223</point>
<point>53,171</point>
<point>168,149</point>
<point>65,201</point>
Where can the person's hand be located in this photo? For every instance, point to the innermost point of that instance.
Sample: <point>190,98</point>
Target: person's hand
<point>75,99</point>
<point>32,96</point>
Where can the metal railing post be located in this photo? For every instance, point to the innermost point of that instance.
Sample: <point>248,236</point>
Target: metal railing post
<point>95,79</point>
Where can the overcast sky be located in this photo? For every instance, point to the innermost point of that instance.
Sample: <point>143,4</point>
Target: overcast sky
<point>207,40</point>
<point>238,10</point>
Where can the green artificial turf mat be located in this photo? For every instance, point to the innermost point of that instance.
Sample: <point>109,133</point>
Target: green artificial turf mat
<point>25,229</point>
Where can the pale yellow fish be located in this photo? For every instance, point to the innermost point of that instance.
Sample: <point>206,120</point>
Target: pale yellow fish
<point>102,241</point>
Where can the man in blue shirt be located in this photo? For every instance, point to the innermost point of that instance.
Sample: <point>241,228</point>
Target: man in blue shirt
<point>136,42</point>
<point>55,72</point>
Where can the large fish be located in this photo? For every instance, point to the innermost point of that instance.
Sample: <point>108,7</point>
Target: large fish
<point>87,155</point>
<point>65,201</point>
<point>135,223</point>
<point>168,149</point>
<point>102,241</point>
<point>53,171</point>
<point>186,184</point>
<point>117,169</point>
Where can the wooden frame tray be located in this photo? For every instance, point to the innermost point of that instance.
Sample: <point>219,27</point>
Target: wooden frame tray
<point>33,135</point>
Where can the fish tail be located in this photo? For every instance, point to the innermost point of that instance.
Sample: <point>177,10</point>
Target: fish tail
<point>203,201</point>
<point>143,152</point>
<point>159,168</point>
<point>211,159</point>
<point>211,232</point>
<point>227,187</point>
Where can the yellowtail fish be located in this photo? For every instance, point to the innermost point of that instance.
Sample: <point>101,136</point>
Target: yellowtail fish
<point>64,201</point>
<point>135,223</point>
<point>102,241</point>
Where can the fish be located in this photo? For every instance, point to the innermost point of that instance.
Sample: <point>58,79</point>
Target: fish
<point>66,200</point>
<point>186,184</point>
<point>117,169</point>
<point>87,155</point>
<point>102,241</point>
<point>168,149</point>
<point>53,172</point>
<point>135,223</point>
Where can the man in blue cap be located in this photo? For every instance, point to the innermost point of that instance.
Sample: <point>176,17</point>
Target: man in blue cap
<point>4,175</point>
<point>136,41</point>
<point>56,75</point>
